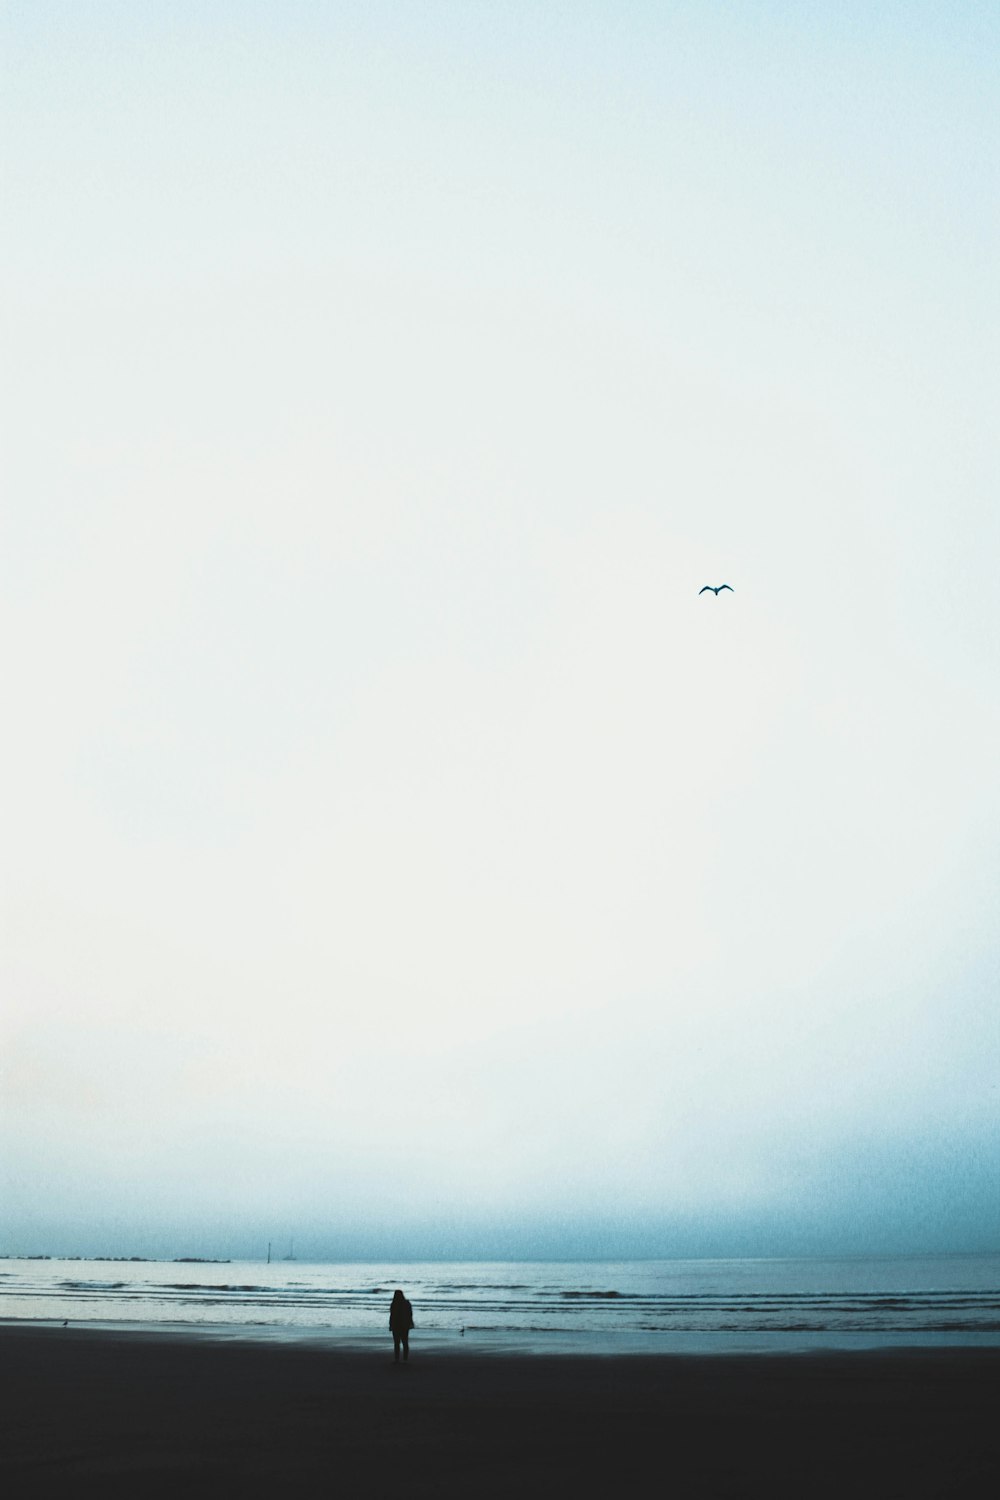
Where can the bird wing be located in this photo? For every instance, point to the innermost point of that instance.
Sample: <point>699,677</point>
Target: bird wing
<point>726,586</point>
<point>706,588</point>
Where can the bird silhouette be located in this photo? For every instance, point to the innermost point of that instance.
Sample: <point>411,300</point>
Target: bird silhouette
<point>717,591</point>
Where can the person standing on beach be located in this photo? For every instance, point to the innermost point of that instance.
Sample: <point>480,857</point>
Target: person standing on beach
<point>400,1322</point>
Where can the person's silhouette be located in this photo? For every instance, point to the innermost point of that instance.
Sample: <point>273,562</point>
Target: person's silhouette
<point>400,1323</point>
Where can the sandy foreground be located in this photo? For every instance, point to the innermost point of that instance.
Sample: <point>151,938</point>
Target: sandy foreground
<point>149,1414</point>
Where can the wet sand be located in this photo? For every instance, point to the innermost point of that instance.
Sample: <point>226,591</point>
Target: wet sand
<point>98,1413</point>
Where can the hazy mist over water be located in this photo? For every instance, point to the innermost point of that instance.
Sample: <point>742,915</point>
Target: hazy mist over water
<point>401,857</point>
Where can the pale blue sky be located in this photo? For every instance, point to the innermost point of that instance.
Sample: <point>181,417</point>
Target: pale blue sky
<point>397,850</point>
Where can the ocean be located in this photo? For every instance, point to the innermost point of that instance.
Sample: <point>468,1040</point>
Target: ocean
<point>546,1306</point>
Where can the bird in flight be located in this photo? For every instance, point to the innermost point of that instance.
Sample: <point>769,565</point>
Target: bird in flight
<point>717,591</point>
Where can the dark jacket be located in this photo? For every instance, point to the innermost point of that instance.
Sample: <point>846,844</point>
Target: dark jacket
<point>400,1315</point>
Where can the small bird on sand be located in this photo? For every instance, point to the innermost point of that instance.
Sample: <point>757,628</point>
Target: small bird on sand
<point>717,591</point>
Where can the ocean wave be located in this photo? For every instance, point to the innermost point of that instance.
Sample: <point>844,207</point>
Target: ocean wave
<point>792,1299</point>
<point>92,1286</point>
<point>598,1296</point>
<point>479,1286</point>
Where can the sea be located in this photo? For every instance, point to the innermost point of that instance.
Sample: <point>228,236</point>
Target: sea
<point>647,1306</point>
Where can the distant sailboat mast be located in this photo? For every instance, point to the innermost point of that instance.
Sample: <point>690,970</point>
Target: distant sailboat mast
<point>269,1252</point>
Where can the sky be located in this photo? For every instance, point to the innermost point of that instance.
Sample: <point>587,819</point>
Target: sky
<point>400,854</point>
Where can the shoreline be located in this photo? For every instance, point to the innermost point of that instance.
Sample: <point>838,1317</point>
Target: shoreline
<point>86,1411</point>
<point>531,1343</point>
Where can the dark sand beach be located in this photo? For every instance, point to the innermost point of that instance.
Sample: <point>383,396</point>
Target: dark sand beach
<point>128,1413</point>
